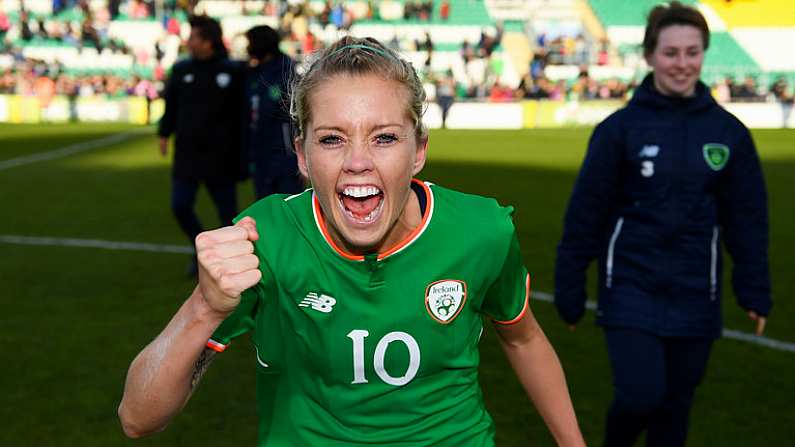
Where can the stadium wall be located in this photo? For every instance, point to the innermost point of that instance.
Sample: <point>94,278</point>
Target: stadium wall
<point>463,115</point>
<point>31,109</point>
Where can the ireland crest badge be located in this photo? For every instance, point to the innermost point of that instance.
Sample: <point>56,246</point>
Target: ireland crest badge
<point>716,155</point>
<point>444,299</point>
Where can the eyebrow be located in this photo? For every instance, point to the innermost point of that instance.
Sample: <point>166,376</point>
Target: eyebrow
<point>339,129</point>
<point>674,47</point>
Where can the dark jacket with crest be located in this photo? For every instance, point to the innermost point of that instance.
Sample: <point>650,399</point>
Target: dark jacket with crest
<point>665,182</point>
<point>205,109</point>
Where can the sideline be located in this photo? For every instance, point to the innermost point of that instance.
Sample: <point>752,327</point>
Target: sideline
<point>95,243</point>
<point>73,149</point>
<point>185,249</point>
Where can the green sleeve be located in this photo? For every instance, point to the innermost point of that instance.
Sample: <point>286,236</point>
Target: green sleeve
<point>507,298</point>
<point>243,318</point>
<point>238,322</point>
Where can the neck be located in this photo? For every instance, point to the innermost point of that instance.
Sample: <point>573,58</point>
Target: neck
<point>402,228</point>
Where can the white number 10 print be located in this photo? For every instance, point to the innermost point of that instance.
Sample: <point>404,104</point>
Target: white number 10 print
<point>358,336</point>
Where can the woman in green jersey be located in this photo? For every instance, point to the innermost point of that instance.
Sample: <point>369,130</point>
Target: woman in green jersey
<point>365,295</point>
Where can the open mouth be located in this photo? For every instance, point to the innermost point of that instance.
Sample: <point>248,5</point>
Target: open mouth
<point>362,204</point>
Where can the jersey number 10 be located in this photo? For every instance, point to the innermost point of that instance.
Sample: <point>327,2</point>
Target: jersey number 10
<point>358,336</point>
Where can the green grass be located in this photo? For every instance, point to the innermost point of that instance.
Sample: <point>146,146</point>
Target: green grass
<point>74,318</point>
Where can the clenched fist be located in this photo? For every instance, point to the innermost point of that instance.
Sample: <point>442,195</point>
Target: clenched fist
<point>227,264</point>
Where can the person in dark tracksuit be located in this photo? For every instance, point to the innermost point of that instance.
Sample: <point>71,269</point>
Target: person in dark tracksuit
<point>205,110</point>
<point>666,180</point>
<point>268,137</point>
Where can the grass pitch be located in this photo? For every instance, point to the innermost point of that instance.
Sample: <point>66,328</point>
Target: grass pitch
<point>75,317</point>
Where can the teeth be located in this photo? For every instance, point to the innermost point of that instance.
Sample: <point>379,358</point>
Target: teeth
<point>361,191</point>
<point>368,218</point>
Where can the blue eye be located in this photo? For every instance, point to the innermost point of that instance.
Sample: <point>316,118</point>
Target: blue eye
<point>386,138</point>
<point>330,140</point>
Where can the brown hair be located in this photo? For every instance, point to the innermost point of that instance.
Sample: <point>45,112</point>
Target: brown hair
<point>210,29</point>
<point>357,56</point>
<point>675,13</point>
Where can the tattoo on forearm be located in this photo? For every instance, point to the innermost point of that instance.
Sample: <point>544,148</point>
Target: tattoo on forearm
<point>202,363</point>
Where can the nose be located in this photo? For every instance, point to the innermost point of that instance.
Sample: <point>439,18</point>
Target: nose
<point>681,58</point>
<point>358,158</point>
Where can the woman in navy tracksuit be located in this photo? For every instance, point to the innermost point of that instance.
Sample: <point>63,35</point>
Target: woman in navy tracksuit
<point>665,180</point>
<point>268,137</point>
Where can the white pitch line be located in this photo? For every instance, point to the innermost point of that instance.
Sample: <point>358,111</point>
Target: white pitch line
<point>727,333</point>
<point>69,150</point>
<point>186,249</point>
<point>95,243</point>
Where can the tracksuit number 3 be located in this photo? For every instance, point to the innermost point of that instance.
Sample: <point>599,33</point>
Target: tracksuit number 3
<point>358,336</point>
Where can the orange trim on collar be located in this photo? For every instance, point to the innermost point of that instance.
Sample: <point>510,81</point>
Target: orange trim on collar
<point>320,219</point>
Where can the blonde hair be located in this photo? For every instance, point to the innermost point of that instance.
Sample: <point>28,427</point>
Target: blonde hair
<point>357,56</point>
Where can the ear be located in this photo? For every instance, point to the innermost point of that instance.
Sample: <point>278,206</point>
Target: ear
<point>420,156</point>
<point>300,153</point>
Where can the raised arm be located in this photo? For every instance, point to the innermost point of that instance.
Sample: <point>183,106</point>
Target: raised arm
<point>538,369</point>
<point>163,376</point>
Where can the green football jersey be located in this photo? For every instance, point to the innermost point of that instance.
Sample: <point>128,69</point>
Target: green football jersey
<point>378,349</point>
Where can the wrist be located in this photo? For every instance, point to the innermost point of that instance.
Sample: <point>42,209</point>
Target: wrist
<point>203,310</point>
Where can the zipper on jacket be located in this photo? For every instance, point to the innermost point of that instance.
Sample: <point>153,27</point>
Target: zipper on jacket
<point>713,265</point>
<point>610,248</point>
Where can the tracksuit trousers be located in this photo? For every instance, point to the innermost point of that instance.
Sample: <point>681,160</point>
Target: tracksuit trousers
<point>654,380</point>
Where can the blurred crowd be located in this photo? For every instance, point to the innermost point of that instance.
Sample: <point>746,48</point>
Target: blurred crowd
<point>749,90</point>
<point>36,78</point>
<point>569,49</point>
<point>85,28</point>
<point>80,24</point>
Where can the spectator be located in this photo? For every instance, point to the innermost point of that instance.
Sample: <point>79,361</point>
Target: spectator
<point>113,8</point>
<point>748,91</point>
<point>25,32</point>
<point>721,91</point>
<point>5,25</point>
<point>445,94</point>
<point>41,30</point>
<point>780,90</point>
<point>581,50</point>
<point>500,92</point>
<point>89,35</point>
<point>337,16</point>
<point>444,10</point>
<point>602,56</point>
<point>427,46</point>
<point>538,63</point>
<point>466,52</point>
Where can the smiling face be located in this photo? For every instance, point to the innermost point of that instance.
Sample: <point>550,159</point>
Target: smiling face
<point>360,151</point>
<point>677,60</point>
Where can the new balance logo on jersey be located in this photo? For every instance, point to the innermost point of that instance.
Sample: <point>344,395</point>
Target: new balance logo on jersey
<point>649,151</point>
<point>444,299</point>
<point>322,303</point>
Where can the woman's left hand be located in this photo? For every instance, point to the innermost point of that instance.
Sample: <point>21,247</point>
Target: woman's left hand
<point>760,322</point>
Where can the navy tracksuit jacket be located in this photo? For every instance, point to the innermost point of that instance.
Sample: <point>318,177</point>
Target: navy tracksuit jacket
<point>268,138</point>
<point>664,182</point>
